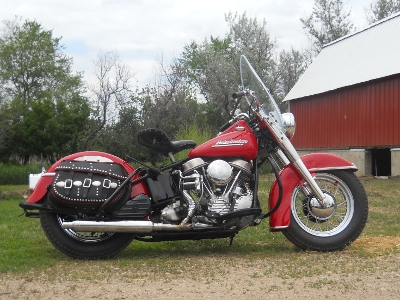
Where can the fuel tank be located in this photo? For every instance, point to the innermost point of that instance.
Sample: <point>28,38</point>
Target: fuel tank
<point>236,141</point>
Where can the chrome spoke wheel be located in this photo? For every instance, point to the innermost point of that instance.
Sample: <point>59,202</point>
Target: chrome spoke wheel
<point>330,218</point>
<point>82,245</point>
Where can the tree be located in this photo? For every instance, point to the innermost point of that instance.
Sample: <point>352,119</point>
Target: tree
<point>292,65</point>
<point>3,126</point>
<point>381,9</point>
<point>120,137</point>
<point>3,121</point>
<point>214,75</point>
<point>212,67</point>
<point>249,36</point>
<point>43,104</point>
<point>328,22</point>
<point>110,92</point>
<point>168,103</point>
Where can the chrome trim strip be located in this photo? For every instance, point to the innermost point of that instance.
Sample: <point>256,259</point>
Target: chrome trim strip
<point>49,175</point>
<point>333,168</point>
<point>279,227</point>
<point>93,158</point>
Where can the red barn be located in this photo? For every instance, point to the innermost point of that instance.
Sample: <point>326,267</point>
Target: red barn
<point>348,100</point>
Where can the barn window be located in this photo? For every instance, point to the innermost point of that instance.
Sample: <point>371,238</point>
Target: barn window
<point>381,162</point>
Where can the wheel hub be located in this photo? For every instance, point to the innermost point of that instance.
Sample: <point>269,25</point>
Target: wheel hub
<point>318,212</point>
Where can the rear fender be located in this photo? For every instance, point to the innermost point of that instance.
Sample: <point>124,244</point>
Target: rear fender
<point>45,180</point>
<point>290,177</point>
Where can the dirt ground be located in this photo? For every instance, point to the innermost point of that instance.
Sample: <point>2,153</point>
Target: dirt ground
<point>240,284</point>
<point>368,276</point>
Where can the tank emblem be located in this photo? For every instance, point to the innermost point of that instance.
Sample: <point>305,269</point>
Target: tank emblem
<point>228,143</point>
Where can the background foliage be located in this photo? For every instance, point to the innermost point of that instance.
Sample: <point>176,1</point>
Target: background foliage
<point>43,109</point>
<point>48,111</point>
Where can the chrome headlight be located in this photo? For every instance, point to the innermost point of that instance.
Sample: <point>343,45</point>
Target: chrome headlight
<point>289,125</point>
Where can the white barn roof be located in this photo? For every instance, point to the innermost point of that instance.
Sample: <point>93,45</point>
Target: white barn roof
<point>368,54</point>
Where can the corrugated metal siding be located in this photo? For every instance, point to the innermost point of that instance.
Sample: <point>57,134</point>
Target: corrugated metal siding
<point>364,116</point>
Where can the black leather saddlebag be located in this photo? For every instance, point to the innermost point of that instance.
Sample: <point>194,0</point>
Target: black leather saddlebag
<point>85,186</point>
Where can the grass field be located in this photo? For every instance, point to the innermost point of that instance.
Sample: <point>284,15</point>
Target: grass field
<point>24,247</point>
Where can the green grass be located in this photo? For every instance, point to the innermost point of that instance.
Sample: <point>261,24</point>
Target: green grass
<point>384,207</point>
<point>22,243</point>
<point>24,247</point>
<point>19,188</point>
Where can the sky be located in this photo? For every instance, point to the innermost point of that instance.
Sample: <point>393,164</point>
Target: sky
<point>142,31</point>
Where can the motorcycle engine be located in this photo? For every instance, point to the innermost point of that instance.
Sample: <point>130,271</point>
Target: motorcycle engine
<point>212,189</point>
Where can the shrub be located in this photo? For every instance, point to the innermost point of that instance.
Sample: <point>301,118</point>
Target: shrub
<point>195,133</point>
<point>11,174</point>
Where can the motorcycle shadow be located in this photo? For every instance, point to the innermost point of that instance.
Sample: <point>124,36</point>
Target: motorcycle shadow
<point>246,243</point>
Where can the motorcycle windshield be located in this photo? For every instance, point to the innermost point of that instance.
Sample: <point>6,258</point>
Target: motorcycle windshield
<point>251,81</point>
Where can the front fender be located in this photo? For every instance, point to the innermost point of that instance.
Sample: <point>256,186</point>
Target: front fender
<point>42,186</point>
<point>290,177</point>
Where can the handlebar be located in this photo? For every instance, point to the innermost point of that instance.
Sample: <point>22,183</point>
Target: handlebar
<point>239,94</point>
<point>226,125</point>
<point>241,116</point>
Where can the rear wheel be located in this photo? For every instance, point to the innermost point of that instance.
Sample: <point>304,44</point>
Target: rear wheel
<point>336,224</point>
<point>82,245</point>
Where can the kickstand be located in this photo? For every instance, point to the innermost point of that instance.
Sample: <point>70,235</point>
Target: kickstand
<point>231,240</point>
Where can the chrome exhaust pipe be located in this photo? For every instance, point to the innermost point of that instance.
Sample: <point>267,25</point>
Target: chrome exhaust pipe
<point>138,226</point>
<point>122,226</point>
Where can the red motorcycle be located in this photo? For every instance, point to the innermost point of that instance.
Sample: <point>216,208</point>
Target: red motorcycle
<point>92,204</point>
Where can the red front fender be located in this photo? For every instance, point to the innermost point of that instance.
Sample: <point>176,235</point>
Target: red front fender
<point>290,177</point>
<point>46,179</point>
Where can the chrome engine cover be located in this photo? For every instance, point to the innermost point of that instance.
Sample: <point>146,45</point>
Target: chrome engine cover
<point>218,187</point>
<point>225,186</point>
<point>192,165</point>
<point>219,172</point>
<point>222,205</point>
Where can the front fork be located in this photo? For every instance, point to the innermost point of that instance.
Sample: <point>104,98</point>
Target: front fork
<point>288,154</point>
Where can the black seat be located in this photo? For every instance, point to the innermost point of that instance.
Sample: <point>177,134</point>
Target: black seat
<point>157,140</point>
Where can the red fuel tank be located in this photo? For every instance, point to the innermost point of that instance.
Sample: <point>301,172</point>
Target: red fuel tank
<point>237,141</point>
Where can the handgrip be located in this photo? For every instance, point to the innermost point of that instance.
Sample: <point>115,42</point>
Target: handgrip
<point>238,94</point>
<point>225,126</point>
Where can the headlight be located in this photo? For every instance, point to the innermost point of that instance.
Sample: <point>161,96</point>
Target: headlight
<point>289,124</point>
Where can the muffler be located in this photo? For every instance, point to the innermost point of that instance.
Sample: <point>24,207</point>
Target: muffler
<point>123,226</point>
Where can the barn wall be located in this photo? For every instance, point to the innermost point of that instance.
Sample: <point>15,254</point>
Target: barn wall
<point>363,116</point>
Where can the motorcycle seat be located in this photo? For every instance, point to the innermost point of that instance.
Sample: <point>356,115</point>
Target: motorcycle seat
<point>158,140</point>
<point>183,145</point>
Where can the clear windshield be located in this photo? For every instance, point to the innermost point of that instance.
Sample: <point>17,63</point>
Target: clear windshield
<point>251,81</point>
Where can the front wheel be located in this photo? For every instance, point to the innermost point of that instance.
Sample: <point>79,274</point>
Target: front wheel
<point>335,225</point>
<point>82,245</point>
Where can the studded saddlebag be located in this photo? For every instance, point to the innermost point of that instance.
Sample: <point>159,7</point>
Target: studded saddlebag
<point>85,186</point>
